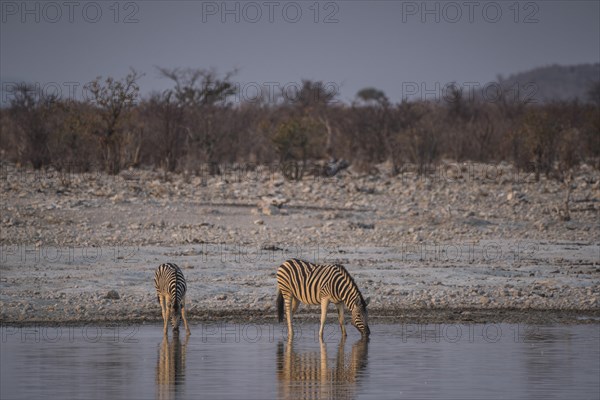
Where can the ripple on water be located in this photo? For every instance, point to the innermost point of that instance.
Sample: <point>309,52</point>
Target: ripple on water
<point>249,361</point>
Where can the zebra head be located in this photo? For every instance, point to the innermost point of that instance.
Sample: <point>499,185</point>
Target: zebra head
<point>360,317</point>
<point>175,314</point>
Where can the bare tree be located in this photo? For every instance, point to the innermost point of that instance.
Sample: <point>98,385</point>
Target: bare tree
<point>194,106</point>
<point>416,138</point>
<point>594,93</point>
<point>313,96</point>
<point>372,109</point>
<point>114,99</point>
<point>166,118</point>
<point>32,112</point>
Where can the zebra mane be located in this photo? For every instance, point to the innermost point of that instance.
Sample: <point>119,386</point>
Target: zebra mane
<point>360,296</point>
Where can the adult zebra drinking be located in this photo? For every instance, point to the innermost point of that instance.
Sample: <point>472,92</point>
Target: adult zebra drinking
<point>301,281</point>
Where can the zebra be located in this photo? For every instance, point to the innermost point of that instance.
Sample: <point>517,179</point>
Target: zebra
<point>170,291</point>
<point>301,281</point>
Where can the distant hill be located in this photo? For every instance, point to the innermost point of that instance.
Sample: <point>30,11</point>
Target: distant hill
<point>555,82</point>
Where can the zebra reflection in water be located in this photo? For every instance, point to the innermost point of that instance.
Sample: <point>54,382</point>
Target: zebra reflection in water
<point>311,375</point>
<point>170,368</point>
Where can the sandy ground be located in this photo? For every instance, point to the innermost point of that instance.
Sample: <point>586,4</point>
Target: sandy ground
<point>468,242</point>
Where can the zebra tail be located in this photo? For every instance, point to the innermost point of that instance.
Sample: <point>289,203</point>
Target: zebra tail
<point>279,305</point>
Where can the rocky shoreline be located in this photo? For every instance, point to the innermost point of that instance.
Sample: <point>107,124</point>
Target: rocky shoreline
<point>386,316</point>
<point>464,243</point>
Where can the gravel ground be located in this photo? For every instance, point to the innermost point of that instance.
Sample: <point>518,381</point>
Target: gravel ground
<point>468,242</point>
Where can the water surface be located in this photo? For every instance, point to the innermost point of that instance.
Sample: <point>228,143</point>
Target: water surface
<point>252,361</point>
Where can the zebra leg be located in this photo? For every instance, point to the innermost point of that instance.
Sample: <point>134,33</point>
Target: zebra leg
<point>187,329</point>
<point>324,304</point>
<point>167,316</point>
<point>288,314</point>
<point>340,310</point>
<point>295,304</point>
<point>163,308</point>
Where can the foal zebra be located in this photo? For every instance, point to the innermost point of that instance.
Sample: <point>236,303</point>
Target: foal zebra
<point>170,290</point>
<point>301,281</point>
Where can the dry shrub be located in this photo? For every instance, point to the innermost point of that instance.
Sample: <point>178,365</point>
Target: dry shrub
<point>195,125</point>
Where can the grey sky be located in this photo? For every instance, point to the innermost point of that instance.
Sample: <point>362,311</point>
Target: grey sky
<point>382,44</point>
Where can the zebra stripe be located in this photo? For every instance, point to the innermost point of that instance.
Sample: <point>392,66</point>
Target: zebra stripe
<point>170,291</point>
<point>301,281</point>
